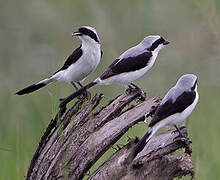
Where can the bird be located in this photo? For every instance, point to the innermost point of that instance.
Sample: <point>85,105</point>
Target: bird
<point>128,67</point>
<point>82,61</point>
<point>175,107</point>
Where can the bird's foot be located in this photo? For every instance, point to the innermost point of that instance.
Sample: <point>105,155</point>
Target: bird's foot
<point>137,88</point>
<point>174,131</point>
<point>130,89</point>
<point>143,96</point>
<point>186,143</point>
<point>85,95</point>
<point>184,139</point>
<point>181,135</point>
<point>134,86</point>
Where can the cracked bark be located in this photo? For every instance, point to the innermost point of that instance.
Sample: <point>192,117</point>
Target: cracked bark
<point>72,144</point>
<point>153,163</point>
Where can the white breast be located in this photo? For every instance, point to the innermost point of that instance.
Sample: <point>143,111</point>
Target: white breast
<point>177,118</point>
<point>128,77</point>
<point>87,63</point>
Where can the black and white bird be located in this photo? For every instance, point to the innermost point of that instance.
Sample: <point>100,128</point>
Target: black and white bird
<point>78,65</point>
<point>175,107</point>
<point>129,66</point>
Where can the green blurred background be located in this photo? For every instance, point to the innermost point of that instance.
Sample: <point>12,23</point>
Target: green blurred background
<point>35,39</point>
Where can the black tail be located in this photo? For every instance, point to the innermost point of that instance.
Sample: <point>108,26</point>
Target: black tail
<point>77,93</point>
<point>139,147</point>
<point>30,88</point>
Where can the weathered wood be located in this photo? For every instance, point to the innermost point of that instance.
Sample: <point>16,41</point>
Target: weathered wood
<point>151,163</point>
<point>48,133</point>
<point>80,138</point>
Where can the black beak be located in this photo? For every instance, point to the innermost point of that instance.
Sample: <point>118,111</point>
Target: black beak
<point>76,33</point>
<point>166,42</point>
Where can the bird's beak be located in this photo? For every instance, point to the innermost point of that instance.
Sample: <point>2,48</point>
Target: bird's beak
<point>166,42</point>
<point>76,33</point>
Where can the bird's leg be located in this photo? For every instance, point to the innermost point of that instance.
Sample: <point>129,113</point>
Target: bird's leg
<point>131,88</point>
<point>86,94</point>
<point>135,86</point>
<point>186,140</point>
<point>80,84</point>
<point>179,131</point>
<point>74,85</point>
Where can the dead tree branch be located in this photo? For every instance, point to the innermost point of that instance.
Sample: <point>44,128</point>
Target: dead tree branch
<point>152,162</point>
<point>75,142</point>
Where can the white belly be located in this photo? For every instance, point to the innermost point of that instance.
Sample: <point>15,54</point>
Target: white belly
<point>128,77</point>
<point>78,71</point>
<point>177,118</point>
<point>124,78</point>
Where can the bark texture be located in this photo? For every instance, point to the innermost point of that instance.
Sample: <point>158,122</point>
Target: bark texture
<point>75,140</point>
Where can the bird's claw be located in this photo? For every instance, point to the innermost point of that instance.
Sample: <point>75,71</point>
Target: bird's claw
<point>129,90</point>
<point>142,96</point>
<point>182,137</point>
<point>86,95</point>
<point>186,141</point>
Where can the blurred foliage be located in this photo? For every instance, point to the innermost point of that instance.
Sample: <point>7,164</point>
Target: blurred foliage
<point>36,39</point>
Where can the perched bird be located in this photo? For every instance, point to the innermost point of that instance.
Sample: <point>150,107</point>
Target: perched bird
<point>175,107</point>
<point>78,65</point>
<point>129,66</point>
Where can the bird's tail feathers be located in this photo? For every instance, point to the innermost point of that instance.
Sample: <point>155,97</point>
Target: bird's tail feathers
<point>77,93</point>
<point>34,87</point>
<point>139,146</point>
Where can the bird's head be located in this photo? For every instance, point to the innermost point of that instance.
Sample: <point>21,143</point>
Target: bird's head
<point>154,43</point>
<point>187,82</point>
<point>87,34</point>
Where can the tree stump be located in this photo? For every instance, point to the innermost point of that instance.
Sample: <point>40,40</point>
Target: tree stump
<point>75,140</point>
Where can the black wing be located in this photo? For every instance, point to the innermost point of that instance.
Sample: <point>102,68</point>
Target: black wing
<point>127,65</point>
<point>76,54</point>
<point>169,108</point>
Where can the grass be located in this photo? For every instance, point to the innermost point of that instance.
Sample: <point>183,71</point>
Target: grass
<point>36,36</point>
<point>19,137</point>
